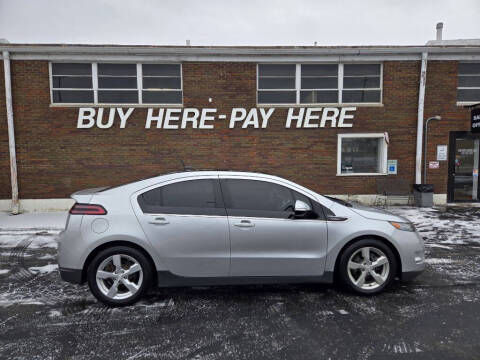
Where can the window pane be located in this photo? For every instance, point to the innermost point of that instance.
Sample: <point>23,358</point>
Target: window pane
<point>361,155</point>
<point>469,68</point>
<point>117,97</point>
<point>367,96</point>
<point>75,82</point>
<point>162,97</point>
<point>320,70</point>
<point>162,83</point>
<point>117,82</point>
<point>194,193</point>
<point>312,97</point>
<point>319,83</point>
<point>71,69</point>
<point>469,81</point>
<point>161,70</point>
<point>277,97</point>
<point>257,195</point>
<point>117,69</point>
<point>361,69</point>
<point>468,94</point>
<point>361,82</point>
<point>276,70</point>
<point>72,96</point>
<point>276,83</point>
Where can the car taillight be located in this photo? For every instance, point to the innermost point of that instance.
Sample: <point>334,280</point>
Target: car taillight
<point>87,209</point>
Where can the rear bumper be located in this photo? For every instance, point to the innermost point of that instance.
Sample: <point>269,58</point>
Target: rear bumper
<point>71,275</point>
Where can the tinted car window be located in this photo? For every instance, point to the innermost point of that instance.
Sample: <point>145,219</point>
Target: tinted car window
<point>256,195</point>
<point>186,197</point>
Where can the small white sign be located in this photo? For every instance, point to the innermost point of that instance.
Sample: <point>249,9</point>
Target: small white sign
<point>392,167</point>
<point>433,165</point>
<point>441,152</point>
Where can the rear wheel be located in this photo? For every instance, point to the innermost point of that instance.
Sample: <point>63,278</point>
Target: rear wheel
<point>367,266</point>
<point>119,276</point>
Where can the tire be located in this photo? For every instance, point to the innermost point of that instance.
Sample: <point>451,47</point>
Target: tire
<point>121,285</point>
<point>353,265</point>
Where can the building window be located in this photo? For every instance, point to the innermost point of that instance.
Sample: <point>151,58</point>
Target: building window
<point>162,84</point>
<point>276,84</point>
<point>468,82</point>
<point>116,83</point>
<point>292,84</point>
<point>319,84</point>
<point>362,154</point>
<point>72,83</point>
<point>361,83</point>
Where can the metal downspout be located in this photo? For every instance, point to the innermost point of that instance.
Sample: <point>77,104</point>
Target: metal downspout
<point>11,132</point>
<point>421,102</point>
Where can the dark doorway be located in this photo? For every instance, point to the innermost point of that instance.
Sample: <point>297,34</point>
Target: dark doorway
<point>463,167</point>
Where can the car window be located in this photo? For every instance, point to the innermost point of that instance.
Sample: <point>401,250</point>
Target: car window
<point>182,197</point>
<point>256,195</point>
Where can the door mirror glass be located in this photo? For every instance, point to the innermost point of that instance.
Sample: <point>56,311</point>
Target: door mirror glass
<point>301,207</point>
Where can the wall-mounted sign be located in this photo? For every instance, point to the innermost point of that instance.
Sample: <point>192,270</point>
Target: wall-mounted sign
<point>392,167</point>
<point>475,118</point>
<point>433,165</point>
<point>257,118</point>
<point>441,152</point>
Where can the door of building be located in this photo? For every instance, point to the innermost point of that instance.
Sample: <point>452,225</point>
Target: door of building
<point>463,167</point>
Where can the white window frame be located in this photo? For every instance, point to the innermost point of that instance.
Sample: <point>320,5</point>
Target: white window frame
<point>95,88</point>
<point>463,103</point>
<point>340,86</point>
<point>383,153</point>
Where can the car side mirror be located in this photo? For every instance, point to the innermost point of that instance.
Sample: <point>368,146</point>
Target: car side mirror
<point>301,207</point>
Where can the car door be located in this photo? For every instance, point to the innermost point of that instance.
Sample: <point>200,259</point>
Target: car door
<point>186,222</point>
<point>266,237</point>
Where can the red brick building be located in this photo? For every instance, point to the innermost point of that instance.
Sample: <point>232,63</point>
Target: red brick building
<point>334,119</point>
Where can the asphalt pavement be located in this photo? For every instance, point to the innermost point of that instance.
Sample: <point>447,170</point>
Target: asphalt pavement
<point>436,316</point>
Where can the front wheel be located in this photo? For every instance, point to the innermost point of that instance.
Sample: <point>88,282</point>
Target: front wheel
<point>119,276</point>
<point>367,266</point>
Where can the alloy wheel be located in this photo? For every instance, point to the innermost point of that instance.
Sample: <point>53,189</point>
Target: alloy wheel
<point>368,268</point>
<point>119,276</point>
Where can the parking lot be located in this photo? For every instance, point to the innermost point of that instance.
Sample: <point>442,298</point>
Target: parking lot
<point>435,316</point>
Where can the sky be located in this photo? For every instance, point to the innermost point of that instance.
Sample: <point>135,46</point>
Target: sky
<point>237,22</point>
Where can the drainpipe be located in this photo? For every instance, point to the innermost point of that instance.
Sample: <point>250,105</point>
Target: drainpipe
<point>421,102</point>
<point>11,132</point>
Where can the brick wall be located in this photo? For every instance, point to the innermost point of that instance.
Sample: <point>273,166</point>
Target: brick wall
<point>441,99</point>
<point>55,158</point>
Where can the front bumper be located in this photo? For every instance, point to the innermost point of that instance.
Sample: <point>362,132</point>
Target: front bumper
<point>71,275</point>
<point>412,253</point>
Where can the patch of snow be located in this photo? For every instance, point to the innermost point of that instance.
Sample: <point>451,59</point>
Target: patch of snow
<point>43,269</point>
<point>36,220</point>
<point>5,303</point>
<point>443,225</point>
<point>54,313</point>
<point>434,261</point>
<point>439,246</point>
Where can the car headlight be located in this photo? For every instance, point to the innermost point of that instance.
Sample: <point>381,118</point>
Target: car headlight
<point>402,226</point>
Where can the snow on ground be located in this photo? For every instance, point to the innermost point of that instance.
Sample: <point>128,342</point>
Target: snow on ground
<point>33,221</point>
<point>444,225</point>
<point>43,269</point>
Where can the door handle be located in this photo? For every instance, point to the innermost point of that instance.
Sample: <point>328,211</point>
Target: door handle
<point>244,223</point>
<point>159,221</point>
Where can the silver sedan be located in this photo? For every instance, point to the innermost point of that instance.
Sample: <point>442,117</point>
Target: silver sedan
<point>223,227</point>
